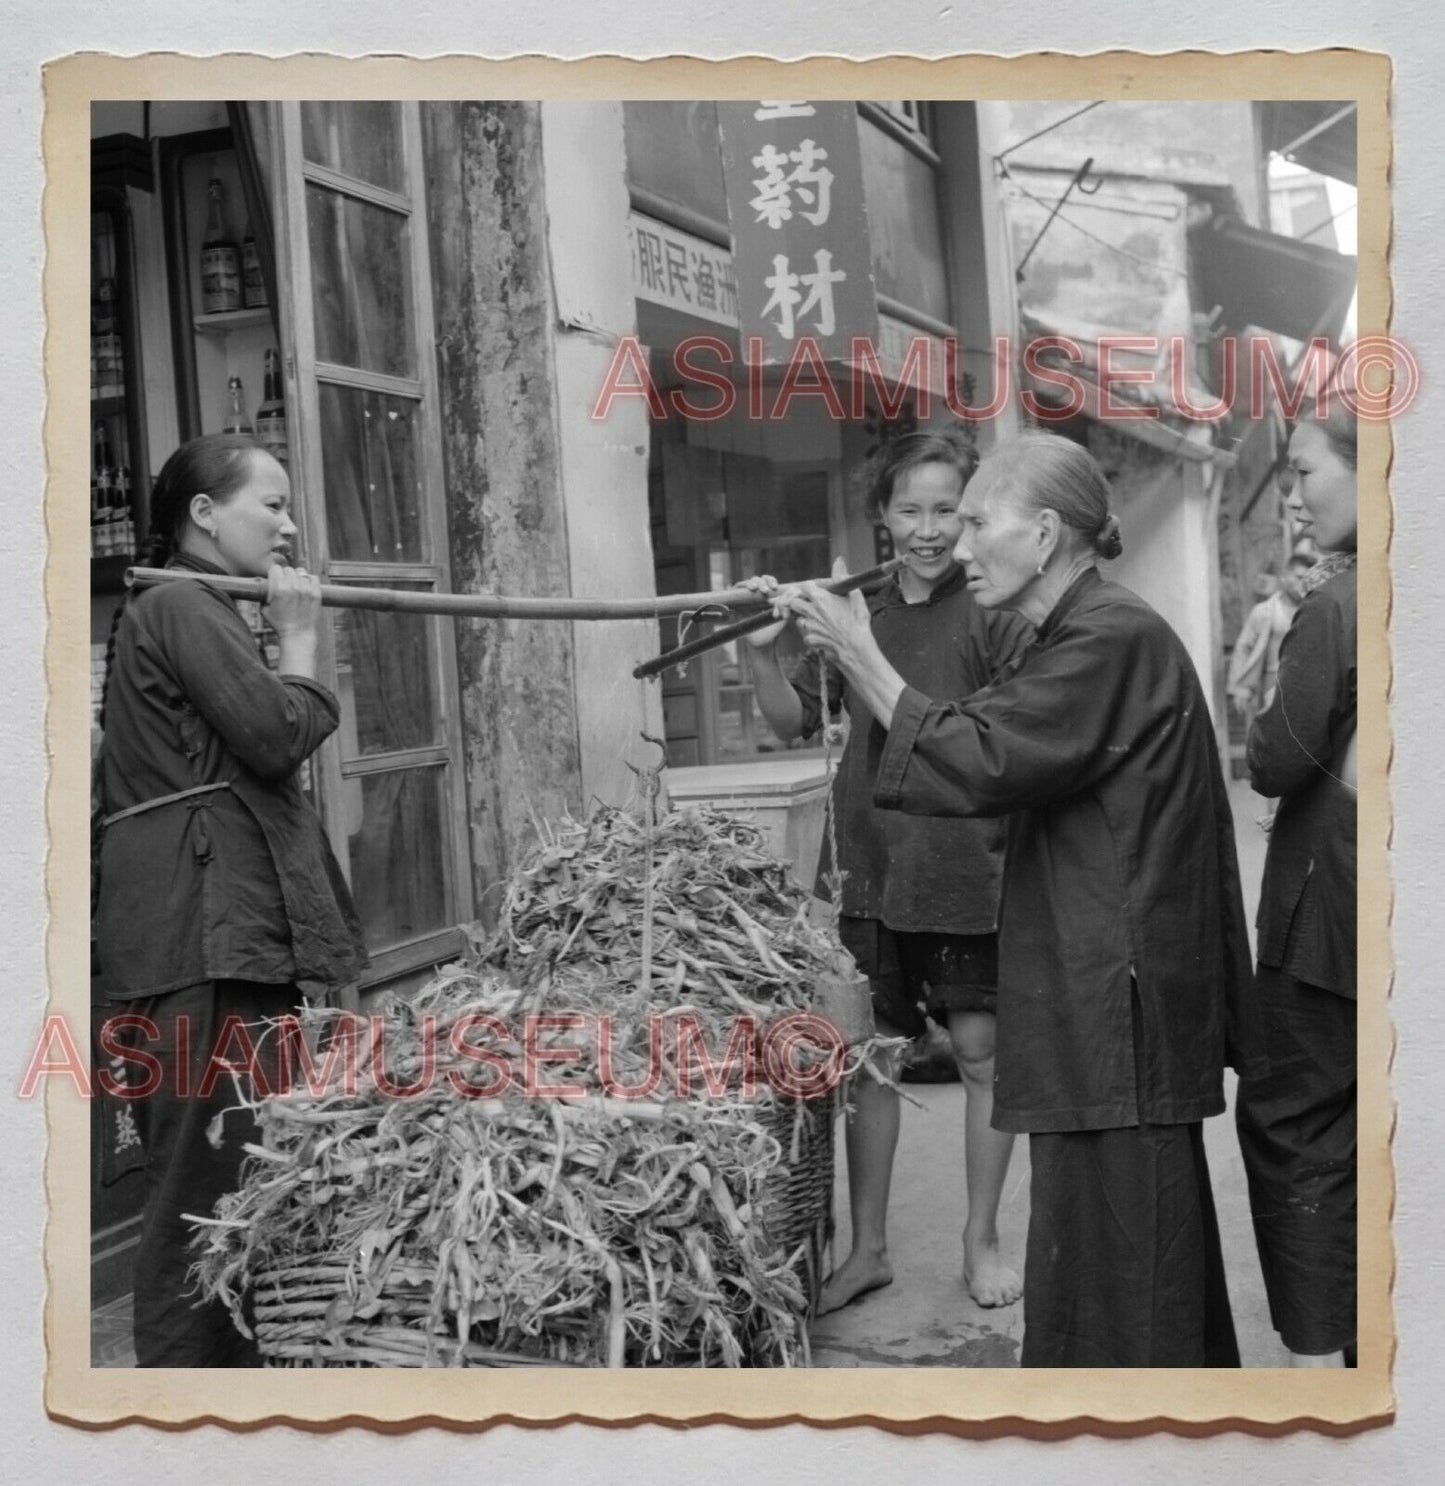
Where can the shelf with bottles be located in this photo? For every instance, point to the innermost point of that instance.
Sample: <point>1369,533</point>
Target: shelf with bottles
<point>118,470</point>
<point>107,340</point>
<point>113,524</point>
<point>223,322</point>
<point>269,425</point>
<point>220,293</point>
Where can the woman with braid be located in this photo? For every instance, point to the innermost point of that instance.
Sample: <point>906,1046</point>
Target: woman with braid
<point>219,901</point>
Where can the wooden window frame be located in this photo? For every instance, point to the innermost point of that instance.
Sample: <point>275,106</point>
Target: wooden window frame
<point>304,376</point>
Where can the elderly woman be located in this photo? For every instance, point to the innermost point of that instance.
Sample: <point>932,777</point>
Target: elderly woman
<point>1297,1126</point>
<point>1124,976</point>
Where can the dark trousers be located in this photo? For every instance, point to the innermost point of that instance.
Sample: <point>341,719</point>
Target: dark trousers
<point>1297,1133</point>
<point>186,1172</point>
<point>1123,1266</point>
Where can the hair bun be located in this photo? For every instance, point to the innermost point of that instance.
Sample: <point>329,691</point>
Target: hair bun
<point>1108,542</point>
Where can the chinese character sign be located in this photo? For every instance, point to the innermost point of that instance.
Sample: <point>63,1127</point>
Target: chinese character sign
<point>674,268</point>
<point>802,266</point>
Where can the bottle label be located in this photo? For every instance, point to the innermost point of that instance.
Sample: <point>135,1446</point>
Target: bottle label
<point>220,279</point>
<point>253,291</point>
<point>109,366</point>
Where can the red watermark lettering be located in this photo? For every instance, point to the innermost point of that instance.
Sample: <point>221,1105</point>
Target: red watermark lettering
<point>535,1056</point>
<point>718,1078</point>
<point>705,376</point>
<point>800,1055</point>
<point>1376,377</point>
<point>628,359</point>
<point>499,1063</point>
<point>55,1032</point>
<point>1053,376</point>
<point>1111,376</point>
<point>113,1078</point>
<point>803,1055</point>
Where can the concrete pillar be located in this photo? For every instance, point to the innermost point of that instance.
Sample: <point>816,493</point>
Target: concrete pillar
<point>1171,545</point>
<point>505,514</point>
<point>602,464</point>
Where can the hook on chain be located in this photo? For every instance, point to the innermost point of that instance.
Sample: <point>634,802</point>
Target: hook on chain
<point>649,777</point>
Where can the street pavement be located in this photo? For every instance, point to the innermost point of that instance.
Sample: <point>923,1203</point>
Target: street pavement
<point>926,1317</point>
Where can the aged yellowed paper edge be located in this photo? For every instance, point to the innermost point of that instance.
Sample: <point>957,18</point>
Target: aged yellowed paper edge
<point>974,1401</point>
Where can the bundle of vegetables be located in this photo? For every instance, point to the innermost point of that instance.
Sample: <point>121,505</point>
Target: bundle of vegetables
<point>695,902</point>
<point>627,1215</point>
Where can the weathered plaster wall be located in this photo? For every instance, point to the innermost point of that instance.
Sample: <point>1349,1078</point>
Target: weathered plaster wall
<point>1167,518</point>
<point>602,464</point>
<point>505,508</point>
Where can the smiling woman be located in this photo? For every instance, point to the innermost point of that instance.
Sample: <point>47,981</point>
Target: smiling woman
<point>919,897</point>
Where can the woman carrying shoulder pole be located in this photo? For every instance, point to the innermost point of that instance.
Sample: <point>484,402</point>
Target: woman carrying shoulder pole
<point>219,902</point>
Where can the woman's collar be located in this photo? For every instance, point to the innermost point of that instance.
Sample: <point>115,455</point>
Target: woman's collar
<point>1068,600</point>
<point>194,564</point>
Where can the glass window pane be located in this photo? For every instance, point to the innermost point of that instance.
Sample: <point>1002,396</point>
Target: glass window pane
<point>371,470</point>
<point>360,270</point>
<point>384,681</point>
<point>358,139</point>
<point>398,845</point>
<point>904,223</point>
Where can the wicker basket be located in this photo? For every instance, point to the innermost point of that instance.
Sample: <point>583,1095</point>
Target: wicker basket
<point>302,1316</point>
<point>796,1206</point>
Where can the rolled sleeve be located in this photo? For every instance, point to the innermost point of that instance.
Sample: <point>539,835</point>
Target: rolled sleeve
<point>903,731</point>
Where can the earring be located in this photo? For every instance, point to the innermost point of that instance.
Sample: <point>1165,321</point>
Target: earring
<point>1041,568</point>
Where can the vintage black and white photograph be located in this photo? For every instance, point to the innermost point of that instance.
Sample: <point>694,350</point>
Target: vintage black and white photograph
<point>723,733</point>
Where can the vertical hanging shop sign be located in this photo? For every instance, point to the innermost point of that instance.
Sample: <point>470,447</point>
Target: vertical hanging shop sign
<point>801,260</point>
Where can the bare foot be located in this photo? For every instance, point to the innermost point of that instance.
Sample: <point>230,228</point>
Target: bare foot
<point>1328,1359</point>
<point>990,1281</point>
<point>853,1279</point>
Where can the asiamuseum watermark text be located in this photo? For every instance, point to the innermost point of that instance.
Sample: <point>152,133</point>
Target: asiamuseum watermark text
<point>800,1055</point>
<point>1113,378</point>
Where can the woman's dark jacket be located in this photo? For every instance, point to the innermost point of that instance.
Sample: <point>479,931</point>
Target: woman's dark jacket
<point>237,883</point>
<point>1307,904</point>
<point>1124,973</point>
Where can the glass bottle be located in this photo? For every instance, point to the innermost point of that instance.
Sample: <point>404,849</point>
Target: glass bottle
<point>220,261</point>
<point>253,282</point>
<point>123,523</point>
<point>236,419</point>
<point>106,343</point>
<point>271,415</point>
<point>102,485</point>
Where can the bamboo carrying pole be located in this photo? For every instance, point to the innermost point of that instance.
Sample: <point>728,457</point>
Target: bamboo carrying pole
<point>463,605</point>
<point>501,606</point>
<point>492,605</point>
